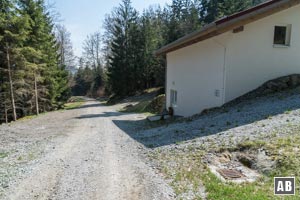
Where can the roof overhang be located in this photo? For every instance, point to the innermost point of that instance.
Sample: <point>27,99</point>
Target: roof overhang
<point>229,23</point>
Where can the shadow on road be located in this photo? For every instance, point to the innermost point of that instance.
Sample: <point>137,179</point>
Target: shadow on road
<point>94,105</point>
<point>218,121</point>
<point>101,115</point>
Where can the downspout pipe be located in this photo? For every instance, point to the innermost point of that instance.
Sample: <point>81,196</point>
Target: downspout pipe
<point>224,70</point>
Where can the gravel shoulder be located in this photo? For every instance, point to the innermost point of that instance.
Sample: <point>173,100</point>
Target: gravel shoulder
<point>76,154</point>
<point>249,120</point>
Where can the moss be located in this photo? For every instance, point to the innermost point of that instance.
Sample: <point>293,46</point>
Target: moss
<point>70,106</point>
<point>76,99</point>
<point>3,154</point>
<point>153,106</point>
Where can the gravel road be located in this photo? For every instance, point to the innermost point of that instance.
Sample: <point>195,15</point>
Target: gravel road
<point>77,154</point>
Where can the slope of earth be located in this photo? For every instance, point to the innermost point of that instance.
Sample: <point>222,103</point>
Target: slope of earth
<point>261,134</point>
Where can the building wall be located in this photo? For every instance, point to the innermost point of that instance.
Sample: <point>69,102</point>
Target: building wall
<point>251,58</point>
<point>196,72</point>
<point>238,62</point>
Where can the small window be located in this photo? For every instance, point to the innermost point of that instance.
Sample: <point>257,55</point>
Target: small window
<point>173,97</point>
<point>282,35</point>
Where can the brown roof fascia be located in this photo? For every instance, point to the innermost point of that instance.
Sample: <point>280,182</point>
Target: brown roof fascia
<point>228,23</point>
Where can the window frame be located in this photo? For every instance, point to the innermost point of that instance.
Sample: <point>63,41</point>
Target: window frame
<point>288,32</point>
<point>173,97</point>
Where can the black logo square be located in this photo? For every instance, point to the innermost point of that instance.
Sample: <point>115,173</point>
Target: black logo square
<point>284,185</point>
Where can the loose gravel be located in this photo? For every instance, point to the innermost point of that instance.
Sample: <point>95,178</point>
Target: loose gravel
<point>96,152</point>
<point>261,119</point>
<point>255,119</point>
<point>76,154</point>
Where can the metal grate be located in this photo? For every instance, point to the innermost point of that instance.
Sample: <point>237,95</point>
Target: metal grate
<point>230,173</point>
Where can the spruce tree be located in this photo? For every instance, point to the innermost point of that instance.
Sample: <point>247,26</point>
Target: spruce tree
<point>13,31</point>
<point>123,59</point>
<point>51,78</point>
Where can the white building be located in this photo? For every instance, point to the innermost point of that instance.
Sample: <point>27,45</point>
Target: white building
<point>232,56</point>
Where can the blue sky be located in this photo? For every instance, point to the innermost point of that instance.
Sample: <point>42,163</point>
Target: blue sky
<point>83,17</point>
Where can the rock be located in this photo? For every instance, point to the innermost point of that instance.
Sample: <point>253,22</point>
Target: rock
<point>165,117</point>
<point>284,79</point>
<point>245,160</point>
<point>271,85</point>
<point>282,83</point>
<point>282,86</point>
<point>294,80</point>
<point>267,91</point>
<point>129,106</point>
<point>154,118</point>
<point>157,105</point>
<point>225,157</point>
<point>264,163</point>
<point>297,89</point>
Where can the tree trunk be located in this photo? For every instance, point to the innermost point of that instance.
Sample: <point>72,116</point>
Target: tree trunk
<point>36,95</point>
<point>11,84</point>
<point>5,111</point>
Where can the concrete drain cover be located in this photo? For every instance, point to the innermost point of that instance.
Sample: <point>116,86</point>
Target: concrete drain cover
<point>230,173</point>
<point>229,169</point>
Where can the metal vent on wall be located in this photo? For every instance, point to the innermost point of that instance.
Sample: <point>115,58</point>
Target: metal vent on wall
<point>217,93</point>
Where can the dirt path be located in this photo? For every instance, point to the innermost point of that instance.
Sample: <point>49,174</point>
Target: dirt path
<point>95,160</point>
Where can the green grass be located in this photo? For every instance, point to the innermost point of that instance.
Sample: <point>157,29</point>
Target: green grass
<point>148,106</point>
<point>151,90</point>
<point>76,99</point>
<point>138,108</point>
<point>29,117</point>
<point>230,191</point>
<point>74,102</point>
<point>70,106</point>
<point>104,102</point>
<point>190,170</point>
<point>283,150</point>
<point>3,155</point>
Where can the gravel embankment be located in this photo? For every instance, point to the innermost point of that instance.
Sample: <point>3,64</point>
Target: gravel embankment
<point>179,147</point>
<point>249,120</point>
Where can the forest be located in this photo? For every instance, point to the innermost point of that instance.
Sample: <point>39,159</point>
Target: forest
<point>38,69</point>
<point>33,75</point>
<point>122,57</point>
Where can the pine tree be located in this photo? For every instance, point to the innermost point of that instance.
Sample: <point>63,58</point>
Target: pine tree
<point>124,62</point>
<point>152,39</point>
<point>212,10</point>
<point>41,38</point>
<point>13,31</point>
<point>173,13</point>
<point>31,78</point>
